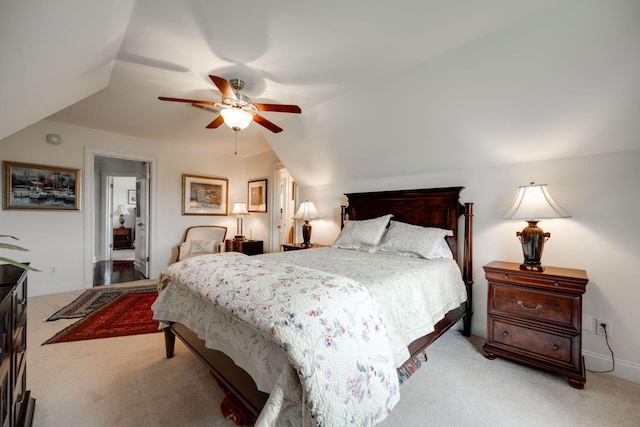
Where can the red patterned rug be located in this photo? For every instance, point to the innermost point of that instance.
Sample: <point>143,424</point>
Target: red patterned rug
<point>128,314</point>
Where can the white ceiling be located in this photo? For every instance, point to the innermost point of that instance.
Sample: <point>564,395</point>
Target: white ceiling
<point>386,88</point>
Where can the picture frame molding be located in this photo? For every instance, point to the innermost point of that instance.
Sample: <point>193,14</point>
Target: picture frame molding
<point>131,197</point>
<point>257,200</point>
<point>41,197</point>
<point>201,183</point>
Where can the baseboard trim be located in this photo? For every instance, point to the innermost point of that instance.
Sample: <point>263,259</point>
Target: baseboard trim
<point>624,369</point>
<point>593,361</point>
<point>36,291</point>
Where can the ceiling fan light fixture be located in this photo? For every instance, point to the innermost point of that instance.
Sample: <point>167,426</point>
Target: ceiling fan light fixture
<point>236,118</point>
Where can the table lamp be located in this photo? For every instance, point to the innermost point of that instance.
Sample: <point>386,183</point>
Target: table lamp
<point>533,203</point>
<point>306,212</point>
<point>240,209</point>
<point>122,211</point>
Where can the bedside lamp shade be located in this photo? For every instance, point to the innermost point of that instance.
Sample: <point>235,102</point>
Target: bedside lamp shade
<point>240,209</point>
<point>307,211</point>
<point>122,211</point>
<point>533,202</point>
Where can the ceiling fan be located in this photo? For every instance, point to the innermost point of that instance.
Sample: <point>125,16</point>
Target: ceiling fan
<point>236,109</point>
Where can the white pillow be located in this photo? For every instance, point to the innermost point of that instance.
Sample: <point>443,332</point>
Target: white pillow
<point>362,234</point>
<point>202,246</point>
<point>403,238</point>
<point>442,250</point>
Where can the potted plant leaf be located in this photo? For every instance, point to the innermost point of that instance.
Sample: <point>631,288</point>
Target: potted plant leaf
<point>15,248</point>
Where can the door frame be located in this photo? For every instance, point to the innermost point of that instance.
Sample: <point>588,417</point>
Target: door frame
<point>274,234</point>
<point>90,205</point>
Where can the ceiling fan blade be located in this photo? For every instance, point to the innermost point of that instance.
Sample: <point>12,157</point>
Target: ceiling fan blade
<point>188,101</point>
<point>223,86</point>
<point>266,123</point>
<point>281,108</point>
<point>217,122</point>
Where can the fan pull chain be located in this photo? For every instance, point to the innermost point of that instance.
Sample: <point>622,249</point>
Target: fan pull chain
<point>236,150</point>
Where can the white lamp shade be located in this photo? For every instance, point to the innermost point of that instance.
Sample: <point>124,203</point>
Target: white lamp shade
<point>534,202</point>
<point>236,118</point>
<point>240,208</point>
<point>307,211</point>
<point>121,210</point>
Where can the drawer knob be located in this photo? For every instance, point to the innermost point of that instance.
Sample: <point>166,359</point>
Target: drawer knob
<point>505,333</point>
<point>556,284</point>
<point>506,277</point>
<point>537,307</point>
<point>555,347</point>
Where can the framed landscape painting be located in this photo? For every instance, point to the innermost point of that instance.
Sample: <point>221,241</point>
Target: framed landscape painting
<point>204,195</point>
<point>40,187</point>
<point>257,196</point>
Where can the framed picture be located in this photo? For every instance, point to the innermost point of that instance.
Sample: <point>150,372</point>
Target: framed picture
<point>257,195</point>
<point>204,195</point>
<point>31,186</point>
<point>132,197</point>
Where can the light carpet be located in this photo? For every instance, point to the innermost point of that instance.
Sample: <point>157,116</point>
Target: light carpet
<point>127,381</point>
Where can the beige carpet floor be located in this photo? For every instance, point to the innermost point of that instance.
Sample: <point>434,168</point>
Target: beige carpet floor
<point>126,381</point>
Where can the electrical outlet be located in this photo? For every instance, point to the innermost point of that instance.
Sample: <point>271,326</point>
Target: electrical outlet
<point>52,269</point>
<point>600,329</point>
<point>587,322</point>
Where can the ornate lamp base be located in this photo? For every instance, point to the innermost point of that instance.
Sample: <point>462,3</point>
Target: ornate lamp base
<point>306,234</point>
<point>532,239</point>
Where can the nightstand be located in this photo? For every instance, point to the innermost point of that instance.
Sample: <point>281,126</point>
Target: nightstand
<point>247,247</point>
<point>121,238</point>
<point>298,246</point>
<point>535,318</point>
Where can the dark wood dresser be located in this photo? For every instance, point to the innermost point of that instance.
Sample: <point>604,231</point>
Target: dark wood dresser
<point>247,247</point>
<point>122,238</point>
<point>16,403</point>
<point>536,318</point>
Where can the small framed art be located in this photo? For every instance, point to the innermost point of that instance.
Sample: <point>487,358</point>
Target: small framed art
<point>40,187</point>
<point>204,195</point>
<point>131,197</point>
<point>257,194</point>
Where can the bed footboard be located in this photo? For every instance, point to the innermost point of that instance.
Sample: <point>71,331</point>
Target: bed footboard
<point>222,367</point>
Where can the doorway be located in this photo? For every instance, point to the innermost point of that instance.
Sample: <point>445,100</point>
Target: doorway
<point>285,194</point>
<point>115,261</point>
<point>106,172</point>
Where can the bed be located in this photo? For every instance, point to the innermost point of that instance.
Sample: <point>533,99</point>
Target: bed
<point>237,365</point>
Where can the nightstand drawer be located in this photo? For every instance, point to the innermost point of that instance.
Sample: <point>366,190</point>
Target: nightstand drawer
<point>540,281</point>
<point>532,342</point>
<point>547,307</point>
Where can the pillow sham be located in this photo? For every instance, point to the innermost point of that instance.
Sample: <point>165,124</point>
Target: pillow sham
<point>202,246</point>
<point>442,250</point>
<point>427,242</point>
<point>362,234</point>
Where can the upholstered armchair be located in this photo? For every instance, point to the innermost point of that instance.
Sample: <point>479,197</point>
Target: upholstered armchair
<point>202,240</point>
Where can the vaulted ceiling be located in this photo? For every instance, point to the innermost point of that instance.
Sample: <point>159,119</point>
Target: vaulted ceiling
<point>386,88</point>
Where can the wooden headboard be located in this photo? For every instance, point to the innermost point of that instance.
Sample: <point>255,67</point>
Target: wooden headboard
<point>429,207</point>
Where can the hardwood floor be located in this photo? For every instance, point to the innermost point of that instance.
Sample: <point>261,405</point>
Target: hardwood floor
<point>118,271</point>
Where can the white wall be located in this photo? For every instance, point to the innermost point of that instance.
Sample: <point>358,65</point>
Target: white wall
<point>57,238</point>
<point>601,237</point>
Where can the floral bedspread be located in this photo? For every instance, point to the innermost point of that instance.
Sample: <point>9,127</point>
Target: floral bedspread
<point>328,325</point>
